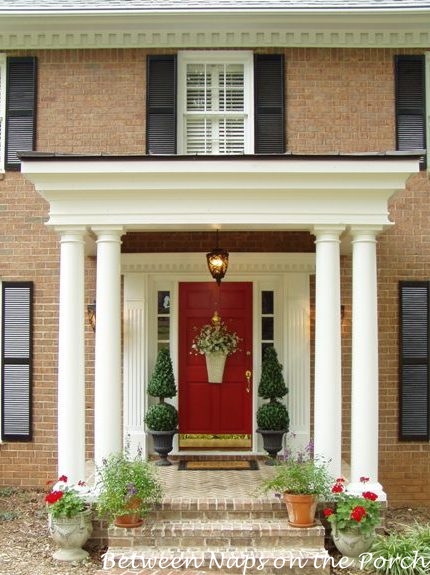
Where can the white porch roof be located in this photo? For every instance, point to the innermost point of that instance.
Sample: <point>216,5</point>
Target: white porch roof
<point>284,192</point>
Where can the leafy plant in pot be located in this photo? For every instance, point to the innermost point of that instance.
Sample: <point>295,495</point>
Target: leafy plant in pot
<point>162,418</point>
<point>272,418</point>
<point>128,489</point>
<point>301,479</point>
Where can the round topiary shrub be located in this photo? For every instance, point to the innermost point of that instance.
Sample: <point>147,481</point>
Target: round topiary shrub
<point>162,417</point>
<point>273,416</point>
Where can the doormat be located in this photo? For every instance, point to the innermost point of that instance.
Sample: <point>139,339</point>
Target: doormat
<point>219,465</point>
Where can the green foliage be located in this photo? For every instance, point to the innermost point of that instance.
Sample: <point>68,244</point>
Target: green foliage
<point>300,474</point>
<point>67,500</point>
<point>122,479</point>
<point>162,417</point>
<point>274,416</point>
<point>7,491</point>
<point>162,382</point>
<point>272,383</point>
<point>405,553</point>
<point>353,512</point>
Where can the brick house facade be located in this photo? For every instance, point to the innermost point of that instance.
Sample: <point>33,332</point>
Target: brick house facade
<point>91,109</point>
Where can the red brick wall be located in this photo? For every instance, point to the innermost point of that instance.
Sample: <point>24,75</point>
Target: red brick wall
<point>94,102</point>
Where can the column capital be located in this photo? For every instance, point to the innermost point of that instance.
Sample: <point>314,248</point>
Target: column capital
<point>365,232</point>
<point>327,232</point>
<point>110,231</point>
<point>71,232</point>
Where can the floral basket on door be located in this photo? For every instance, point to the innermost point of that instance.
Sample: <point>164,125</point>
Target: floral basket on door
<point>216,343</point>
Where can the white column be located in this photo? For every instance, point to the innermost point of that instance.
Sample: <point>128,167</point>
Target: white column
<point>71,363</point>
<point>364,393</point>
<point>107,393</point>
<point>328,387</point>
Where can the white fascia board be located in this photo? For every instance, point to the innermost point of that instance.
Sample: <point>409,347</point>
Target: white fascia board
<point>294,194</point>
<point>205,29</point>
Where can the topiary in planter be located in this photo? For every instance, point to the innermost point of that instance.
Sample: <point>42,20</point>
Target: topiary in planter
<point>162,417</point>
<point>272,418</point>
<point>162,382</point>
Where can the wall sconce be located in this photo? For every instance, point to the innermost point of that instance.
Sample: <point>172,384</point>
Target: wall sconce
<point>91,312</point>
<point>217,260</point>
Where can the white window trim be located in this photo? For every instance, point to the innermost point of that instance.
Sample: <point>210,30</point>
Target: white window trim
<point>244,57</point>
<point>2,112</point>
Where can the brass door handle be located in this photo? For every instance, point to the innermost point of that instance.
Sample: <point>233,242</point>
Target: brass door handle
<point>248,374</point>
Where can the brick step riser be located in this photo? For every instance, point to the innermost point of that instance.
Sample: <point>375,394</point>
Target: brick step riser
<point>214,515</point>
<point>219,540</point>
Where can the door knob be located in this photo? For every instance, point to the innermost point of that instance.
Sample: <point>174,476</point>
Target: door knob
<point>248,374</point>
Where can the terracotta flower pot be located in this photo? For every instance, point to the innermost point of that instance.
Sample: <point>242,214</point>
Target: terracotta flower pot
<point>131,519</point>
<point>301,509</point>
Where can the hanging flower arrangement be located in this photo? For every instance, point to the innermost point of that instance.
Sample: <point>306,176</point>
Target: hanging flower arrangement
<point>215,338</point>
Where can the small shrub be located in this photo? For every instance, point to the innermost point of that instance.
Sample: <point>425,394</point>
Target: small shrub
<point>162,417</point>
<point>273,416</point>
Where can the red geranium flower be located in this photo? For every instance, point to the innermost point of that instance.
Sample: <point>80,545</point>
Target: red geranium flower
<point>370,495</point>
<point>54,496</point>
<point>358,513</point>
<point>364,479</point>
<point>327,512</point>
<point>337,488</point>
<point>63,478</point>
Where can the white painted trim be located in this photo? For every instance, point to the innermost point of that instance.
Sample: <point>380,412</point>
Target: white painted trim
<point>228,29</point>
<point>162,194</point>
<point>245,58</point>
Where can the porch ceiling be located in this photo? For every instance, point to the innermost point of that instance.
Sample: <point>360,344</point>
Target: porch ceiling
<point>262,192</point>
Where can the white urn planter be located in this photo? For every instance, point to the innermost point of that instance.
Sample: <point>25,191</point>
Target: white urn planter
<point>352,543</point>
<point>215,363</point>
<point>70,533</point>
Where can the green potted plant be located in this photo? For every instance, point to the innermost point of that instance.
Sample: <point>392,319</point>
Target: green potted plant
<point>353,518</point>
<point>272,418</point>
<point>302,480</point>
<point>128,489</point>
<point>162,418</point>
<point>69,518</point>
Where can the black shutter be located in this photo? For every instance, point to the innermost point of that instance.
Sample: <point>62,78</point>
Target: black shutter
<point>16,367</point>
<point>410,103</point>
<point>269,104</point>
<point>161,105</point>
<point>414,361</point>
<point>20,109</point>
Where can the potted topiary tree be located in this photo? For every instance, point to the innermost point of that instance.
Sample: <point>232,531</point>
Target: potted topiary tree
<point>272,418</point>
<point>162,418</point>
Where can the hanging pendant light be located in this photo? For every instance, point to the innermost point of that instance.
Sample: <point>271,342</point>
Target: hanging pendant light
<point>217,262</point>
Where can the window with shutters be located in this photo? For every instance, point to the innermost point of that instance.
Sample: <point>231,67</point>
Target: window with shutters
<point>410,103</point>
<point>16,361</point>
<point>215,102</point>
<point>17,109</point>
<point>414,361</point>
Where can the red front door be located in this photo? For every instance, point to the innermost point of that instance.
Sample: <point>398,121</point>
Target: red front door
<point>215,408</point>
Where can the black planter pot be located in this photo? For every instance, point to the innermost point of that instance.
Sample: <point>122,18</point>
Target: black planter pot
<point>163,445</point>
<point>272,443</point>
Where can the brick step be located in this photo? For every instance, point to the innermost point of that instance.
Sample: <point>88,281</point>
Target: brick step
<point>223,533</point>
<point>152,560</point>
<point>246,508</point>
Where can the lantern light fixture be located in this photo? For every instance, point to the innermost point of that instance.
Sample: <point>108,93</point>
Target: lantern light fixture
<point>217,261</point>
